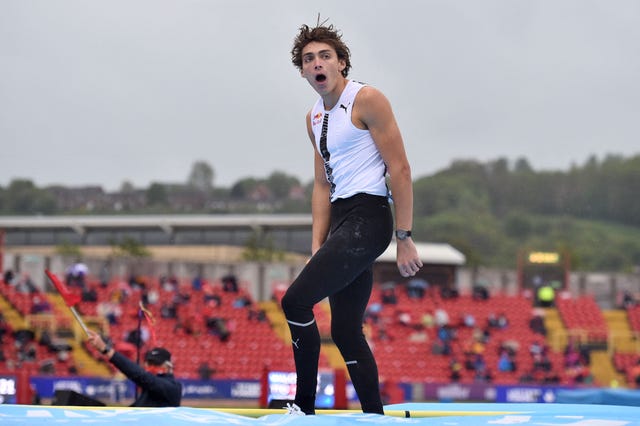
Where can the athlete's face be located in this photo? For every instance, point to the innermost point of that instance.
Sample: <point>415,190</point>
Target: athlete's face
<point>321,66</point>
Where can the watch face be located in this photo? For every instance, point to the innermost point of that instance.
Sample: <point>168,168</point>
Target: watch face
<point>401,234</point>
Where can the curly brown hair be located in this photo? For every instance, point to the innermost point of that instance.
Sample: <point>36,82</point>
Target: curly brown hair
<point>322,34</point>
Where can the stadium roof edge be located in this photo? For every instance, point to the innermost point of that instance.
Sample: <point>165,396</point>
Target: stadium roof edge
<point>153,221</point>
<point>431,253</point>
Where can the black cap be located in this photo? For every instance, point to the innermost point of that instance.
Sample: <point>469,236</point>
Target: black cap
<point>157,356</point>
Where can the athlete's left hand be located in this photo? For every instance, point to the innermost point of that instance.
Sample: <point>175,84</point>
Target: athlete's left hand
<point>408,261</point>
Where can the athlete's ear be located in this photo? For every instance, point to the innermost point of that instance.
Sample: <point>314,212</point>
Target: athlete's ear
<point>343,64</point>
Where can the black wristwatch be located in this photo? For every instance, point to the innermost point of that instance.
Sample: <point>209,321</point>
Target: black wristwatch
<point>401,234</point>
<point>107,348</point>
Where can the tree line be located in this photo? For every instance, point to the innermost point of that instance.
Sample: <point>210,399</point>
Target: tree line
<point>489,210</point>
<point>493,210</point>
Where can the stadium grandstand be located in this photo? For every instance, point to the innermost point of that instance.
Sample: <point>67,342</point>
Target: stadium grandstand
<point>219,314</point>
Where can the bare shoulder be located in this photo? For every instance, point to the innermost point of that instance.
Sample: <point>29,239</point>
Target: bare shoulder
<point>371,94</point>
<point>371,106</point>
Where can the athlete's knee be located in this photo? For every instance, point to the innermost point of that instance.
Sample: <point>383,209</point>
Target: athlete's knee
<point>288,304</point>
<point>294,308</point>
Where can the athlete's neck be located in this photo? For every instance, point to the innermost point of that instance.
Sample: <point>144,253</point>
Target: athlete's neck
<point>331,99</point>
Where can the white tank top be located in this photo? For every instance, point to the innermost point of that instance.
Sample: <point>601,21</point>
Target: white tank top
<point>352,161</point>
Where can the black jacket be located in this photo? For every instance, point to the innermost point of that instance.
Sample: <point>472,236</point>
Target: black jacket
<point>161,390</point>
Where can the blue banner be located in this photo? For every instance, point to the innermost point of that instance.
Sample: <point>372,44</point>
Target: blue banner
<point>527,394</point>
<point>117,390</point>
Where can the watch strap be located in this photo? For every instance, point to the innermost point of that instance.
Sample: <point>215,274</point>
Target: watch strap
<point>402,234</point>
<point>107,348</point>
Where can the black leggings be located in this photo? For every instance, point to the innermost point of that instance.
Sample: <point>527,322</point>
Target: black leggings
<point>361,229</point>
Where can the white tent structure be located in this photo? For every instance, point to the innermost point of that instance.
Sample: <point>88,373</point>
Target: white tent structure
<point>430,253</point>
<point>440,260</point>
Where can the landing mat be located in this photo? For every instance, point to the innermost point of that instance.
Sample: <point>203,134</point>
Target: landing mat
<point>449,414</point>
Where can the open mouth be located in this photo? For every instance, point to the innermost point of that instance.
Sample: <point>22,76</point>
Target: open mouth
<point>321,78</point>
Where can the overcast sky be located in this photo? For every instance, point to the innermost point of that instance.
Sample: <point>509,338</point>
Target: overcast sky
<point>101,92</point>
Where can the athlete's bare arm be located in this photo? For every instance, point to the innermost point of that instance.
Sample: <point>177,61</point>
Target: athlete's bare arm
<point>373,111</point>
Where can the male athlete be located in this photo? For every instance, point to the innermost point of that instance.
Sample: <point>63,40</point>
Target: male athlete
<point>357,143</point>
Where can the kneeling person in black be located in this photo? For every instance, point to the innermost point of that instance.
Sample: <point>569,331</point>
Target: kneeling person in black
<point>159,386</point>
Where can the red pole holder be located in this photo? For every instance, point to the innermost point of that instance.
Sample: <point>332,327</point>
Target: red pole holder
<point>340,389</point>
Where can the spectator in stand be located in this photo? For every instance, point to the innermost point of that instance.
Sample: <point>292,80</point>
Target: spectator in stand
<point>169,284</point>
<point>27,351</point>
<point>492,320</point>
<point>440,316</point>
<point>90,294</point>
<point>506,363</point>
<point>541,362</point>
<point>403,317</point>
<point>546,295</point>
<point>499,321</point>
<point>372,313</point>
<point>26,285</point>
<point>383,334</point>
<point>511,346</point>
<point>217,326</point>
<point>72,369</point>
<point>121,293</point>
<point>138,337</point>
<point>257,314</point>
<point>528,376</point>
<point>197,282</point>
<point>5,328</point>
<point>536,323</point>
<point>416,288</point>
<point>502,321</point>
<point>211,292</point>
<point>45,339</point>
<point>538,348</point>
<point>475,346</point>
<point>442,345</point>
<point>571,354</point>
<point>137,283</point>
<point>579,374</point>
<point>189,325</point>
<point>480,292</point>
<point>110,310</point>
<point>481,335</point>
<point>183,294</point>
<point>230,284</point>
<point>40,304</point>
<point>628,300</point>
<point>388,293</point>
<point>169,309</point>
<point>242,301</point>
<point>419,335</point>
<point>150,295</point>
<point>427,320</point>
<point>47,367</point>
<point>104,276</point>
<point>76,274</point>
<point>455,369</point>
<point>8,277</point>
<point>482,374</point>
<point>448,292</point>
<point>205,371</point>
<point>468,320</point>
